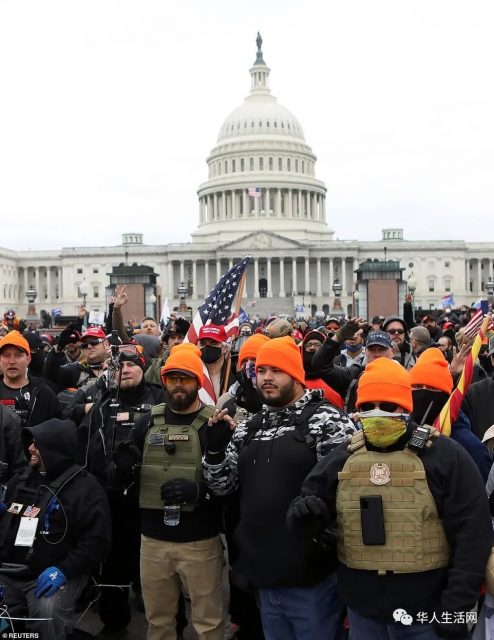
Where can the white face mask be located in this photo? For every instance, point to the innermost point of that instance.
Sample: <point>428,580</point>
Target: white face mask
<point>379,413</point>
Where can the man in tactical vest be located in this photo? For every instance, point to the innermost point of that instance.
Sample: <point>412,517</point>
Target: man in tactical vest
<point>54,531</point>
<point>109,422</point>
<point>267,459</point>
<point>412,519</point>
<point>171,440</point>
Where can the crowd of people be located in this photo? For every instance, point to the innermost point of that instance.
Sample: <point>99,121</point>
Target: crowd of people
<point>302,453</point>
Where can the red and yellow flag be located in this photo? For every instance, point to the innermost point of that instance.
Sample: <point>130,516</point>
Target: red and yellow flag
<point>451,410</point>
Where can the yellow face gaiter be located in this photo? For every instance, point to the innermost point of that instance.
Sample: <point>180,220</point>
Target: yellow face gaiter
<point>383,430</point>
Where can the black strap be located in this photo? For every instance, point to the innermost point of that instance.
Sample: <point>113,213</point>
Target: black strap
<point>57,484</point>
<point>300,421</point>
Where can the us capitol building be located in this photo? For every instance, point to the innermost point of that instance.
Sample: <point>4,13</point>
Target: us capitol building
<point>262,198</point>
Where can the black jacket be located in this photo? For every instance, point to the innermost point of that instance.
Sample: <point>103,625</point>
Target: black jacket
<point>100,433</point>
<point>43,403</point>
<point>74,528</point>
<point>11,451</point>
<point>478,404</point>
<point>342,379</point>
<point>460,496</point>
<point>64,373</point>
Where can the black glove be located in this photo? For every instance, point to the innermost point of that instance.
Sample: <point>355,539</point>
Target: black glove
<point>126,456</point>
<point>452,630</point>
<point>307,516</point>
<point>69,335</point>
<point>347,331</point>
<point>179,490</point>
<point>218,435</point>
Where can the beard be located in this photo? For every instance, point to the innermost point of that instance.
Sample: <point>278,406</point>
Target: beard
<point>180,398</point>
<point>277,396</point>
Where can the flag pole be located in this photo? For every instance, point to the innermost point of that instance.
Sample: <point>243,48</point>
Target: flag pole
<point>240,292</point>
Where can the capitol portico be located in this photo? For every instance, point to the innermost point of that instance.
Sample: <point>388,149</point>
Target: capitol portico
<point>262,198</point>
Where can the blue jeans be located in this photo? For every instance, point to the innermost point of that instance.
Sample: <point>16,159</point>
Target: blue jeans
<point>367,629</point>
<point>302,613</point>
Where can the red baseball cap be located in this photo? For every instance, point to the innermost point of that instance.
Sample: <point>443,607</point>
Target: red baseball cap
<point>93,332</point>
<point>213,332</point>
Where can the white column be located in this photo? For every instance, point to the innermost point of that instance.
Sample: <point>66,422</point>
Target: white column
<point>48,285</point>
<point>323,208</point>
<point>299,203</point>
<point>206,278</point>
<point>223,205</point>
<point>26,283</point>
<point>201,210</point>
<point>230,263</point>
<point>319,279</point>
<point>36,274</point>
<point>59,281</point>
<point>307,282</point>
<point>246,202</point>
<point>282,278</point>
<point>343,277</point>
<point>182,272</point>
<point>330,283</point>
<point>307,205</point>
<point>256,277</point>
<point>294,276</point>
<point>270,283</point>
<point>267,200</point>
<point>278,203</point>
<point>290,203</point>
<point>479,275</point>
<point>257,206</point>
<point>218,269</point>
<point>171,290</point>
<point>194,279</point>
<point>215,206</point>
<point>491,271</point>
<point>313,213</point>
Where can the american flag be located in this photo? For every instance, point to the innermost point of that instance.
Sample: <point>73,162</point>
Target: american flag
<point>254,192</point>
<point>471,329</point>
<point>217,309</point>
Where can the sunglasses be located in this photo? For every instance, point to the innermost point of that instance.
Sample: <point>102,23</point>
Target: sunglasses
<point>178,378</point>
<point>392,332</point>
<point>389,407</point>
<point>91,343</point>
<point>129,350</point>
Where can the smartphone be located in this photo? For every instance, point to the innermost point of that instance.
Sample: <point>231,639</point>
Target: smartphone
<point>372,520</point>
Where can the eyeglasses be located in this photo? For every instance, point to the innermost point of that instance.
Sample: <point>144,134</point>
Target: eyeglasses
<point>177,378</point>
<point>392,332</point>
<point>389,407</point>
<point>91,343</point>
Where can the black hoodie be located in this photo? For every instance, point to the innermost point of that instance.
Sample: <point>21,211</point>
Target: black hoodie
<point>74,530</point>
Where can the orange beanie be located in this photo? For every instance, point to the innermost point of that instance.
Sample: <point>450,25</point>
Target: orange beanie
<point>187,358</point>
<point>250,347</point>
<point>432,370</point>
<point>283,354</point>
<point>15,339</point>
<point>385,380</point>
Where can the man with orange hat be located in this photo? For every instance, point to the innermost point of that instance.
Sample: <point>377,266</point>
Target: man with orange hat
<point>267,459</point>
<point>412,521</point>
<point>29,397</point>
<point>169,442</point>
<point>432,384</point>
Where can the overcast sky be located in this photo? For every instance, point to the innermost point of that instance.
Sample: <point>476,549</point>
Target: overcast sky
<point>109,109</point>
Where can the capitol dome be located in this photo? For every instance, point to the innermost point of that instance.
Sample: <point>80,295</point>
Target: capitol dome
<point>261,168</point>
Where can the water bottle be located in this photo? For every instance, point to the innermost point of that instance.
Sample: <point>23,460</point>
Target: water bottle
<point>172,515</point>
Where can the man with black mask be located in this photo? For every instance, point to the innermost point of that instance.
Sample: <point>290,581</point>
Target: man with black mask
<point>314,379</point>
<point>109,422</point>
<point>432,384</point>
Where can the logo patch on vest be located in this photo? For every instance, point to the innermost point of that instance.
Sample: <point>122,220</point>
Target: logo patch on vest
<point>178,436</point>
<point>156,439</point>
<point>380,473</point>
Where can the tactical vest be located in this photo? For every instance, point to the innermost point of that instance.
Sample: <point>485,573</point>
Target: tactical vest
<point>414,534</point>
<point>170,451</point>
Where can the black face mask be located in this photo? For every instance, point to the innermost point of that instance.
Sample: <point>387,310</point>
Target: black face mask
<point>422,399</point>
<point>307,357</point>
<point>210,354</point>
